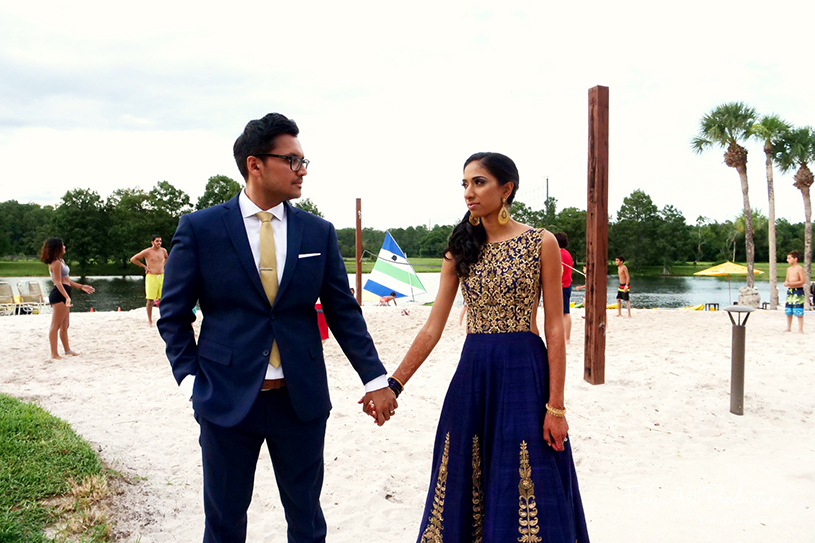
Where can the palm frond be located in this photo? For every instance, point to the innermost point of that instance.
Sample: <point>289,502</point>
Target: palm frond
<point>770,128</point>
<point>794,148</point>
<point>731,122</point>
<point>699,144</point>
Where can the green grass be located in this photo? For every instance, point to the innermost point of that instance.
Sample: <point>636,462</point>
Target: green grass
<point>421,265</point>
<point>49,476</point>
<point>22,268</point>
<point>35,268</point>
<point>689,269</point>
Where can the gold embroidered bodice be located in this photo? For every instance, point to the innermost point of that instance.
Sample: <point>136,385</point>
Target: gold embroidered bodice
<point>503,287</point>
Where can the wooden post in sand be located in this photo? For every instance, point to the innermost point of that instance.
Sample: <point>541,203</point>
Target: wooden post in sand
<point>594,366</point>
<point>359,251</point>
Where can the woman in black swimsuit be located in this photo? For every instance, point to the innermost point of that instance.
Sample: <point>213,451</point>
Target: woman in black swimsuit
<point>52,252</point>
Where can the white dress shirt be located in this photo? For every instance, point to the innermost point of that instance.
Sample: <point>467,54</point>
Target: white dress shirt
<point>280,228</point>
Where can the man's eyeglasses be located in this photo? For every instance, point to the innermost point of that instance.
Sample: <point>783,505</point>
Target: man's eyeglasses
<point>295,162</point>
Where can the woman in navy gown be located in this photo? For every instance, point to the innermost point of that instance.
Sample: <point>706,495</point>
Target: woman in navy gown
<point>502,463</point>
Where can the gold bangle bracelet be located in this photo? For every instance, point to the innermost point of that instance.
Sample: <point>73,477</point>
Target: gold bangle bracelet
<point>398,381</point>
<point>555,412</point>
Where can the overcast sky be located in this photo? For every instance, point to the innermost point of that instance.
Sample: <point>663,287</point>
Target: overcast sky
<point>391,98</point>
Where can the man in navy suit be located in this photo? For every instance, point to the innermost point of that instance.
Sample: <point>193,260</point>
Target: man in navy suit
<point>256,266</point>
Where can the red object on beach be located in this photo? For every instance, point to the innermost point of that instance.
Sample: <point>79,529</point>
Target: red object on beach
<point>91,310</point>
<point>566,258</point>
<point>119,309</point>
<point>321,322</point>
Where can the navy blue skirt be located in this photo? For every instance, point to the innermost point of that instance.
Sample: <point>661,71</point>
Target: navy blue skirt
<point>494,478</point>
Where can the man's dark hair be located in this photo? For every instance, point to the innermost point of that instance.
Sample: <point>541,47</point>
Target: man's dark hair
<point>620,258</point>
<point>258,137</point>
<point>795,254</point>
<point>562,239</point>
<point>154,237</point>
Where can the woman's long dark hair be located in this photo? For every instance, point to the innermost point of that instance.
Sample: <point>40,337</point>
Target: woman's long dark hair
<point>464,245</point>
<point>51,249</point>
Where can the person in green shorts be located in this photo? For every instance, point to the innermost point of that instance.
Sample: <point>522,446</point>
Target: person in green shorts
<point>154,257</point>
<point>796,279</point>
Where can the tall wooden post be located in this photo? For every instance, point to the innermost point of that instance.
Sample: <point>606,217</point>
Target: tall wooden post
<point>359,251</point>
<point>594,366</point>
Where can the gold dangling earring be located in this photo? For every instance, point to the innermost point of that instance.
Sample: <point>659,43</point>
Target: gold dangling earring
<point>503,215</point>
<point>475,221</point>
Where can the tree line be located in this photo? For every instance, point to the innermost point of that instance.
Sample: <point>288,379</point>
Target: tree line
<point>97,230</point>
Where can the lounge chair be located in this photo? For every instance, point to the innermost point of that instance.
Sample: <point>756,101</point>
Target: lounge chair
<point>31,295</point>
<point>8,305</point>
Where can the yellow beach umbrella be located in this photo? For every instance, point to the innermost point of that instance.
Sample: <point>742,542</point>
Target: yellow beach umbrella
<point>728,268</point>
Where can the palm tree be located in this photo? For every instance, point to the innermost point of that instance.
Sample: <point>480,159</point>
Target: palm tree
<point>768,130</point>
<point>797,148</point>
<point>727,126</point>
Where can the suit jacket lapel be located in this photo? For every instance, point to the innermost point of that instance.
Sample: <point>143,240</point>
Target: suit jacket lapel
<point>237,233</point>
<point>294,237</point>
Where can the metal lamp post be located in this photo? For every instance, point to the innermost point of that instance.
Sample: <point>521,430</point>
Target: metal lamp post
<point>737,356</point>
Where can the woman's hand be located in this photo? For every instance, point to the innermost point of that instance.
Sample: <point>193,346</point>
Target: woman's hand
<point>68,301</point>
<point>369,408</point>
<point>555,430</point>
<point>87,289</point>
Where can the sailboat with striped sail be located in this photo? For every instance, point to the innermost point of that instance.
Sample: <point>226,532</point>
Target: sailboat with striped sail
<point>393,273</point>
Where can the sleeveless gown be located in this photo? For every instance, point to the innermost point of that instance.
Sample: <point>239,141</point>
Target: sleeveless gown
<point>494,478</point>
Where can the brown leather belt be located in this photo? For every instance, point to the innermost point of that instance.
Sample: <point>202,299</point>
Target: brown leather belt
<point>272,384</point>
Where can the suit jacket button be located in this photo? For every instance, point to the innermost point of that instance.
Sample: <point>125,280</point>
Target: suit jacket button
<point>272,316</point>
<point>265,353</point>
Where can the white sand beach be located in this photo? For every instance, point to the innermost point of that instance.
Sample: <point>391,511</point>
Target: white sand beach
<point>659,456</point>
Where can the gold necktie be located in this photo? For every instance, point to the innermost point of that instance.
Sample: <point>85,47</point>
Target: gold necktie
<point>268,270</point>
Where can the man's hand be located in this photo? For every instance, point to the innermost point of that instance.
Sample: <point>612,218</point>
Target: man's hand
<point>380,404</point>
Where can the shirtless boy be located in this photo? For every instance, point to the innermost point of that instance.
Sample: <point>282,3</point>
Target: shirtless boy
<point>154,257</point>
<point>625,286</point>
<point>796,279</point>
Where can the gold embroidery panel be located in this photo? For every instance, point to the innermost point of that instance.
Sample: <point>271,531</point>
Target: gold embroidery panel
<point>528,509</point>
<point>432,533</point>
<point>478,494</point>
<point>503,287</point>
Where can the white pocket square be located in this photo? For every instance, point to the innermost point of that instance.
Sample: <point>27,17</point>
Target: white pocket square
<point>308,255</point>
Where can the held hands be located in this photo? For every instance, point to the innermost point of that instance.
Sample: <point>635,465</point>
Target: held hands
<point>380,404</point>
<point>555,430</point>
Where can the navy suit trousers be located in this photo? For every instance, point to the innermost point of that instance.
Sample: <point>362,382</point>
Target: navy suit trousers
<point>230,456</point>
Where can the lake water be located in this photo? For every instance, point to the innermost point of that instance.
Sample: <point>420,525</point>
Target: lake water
<point>646,292</point>
<point>112,292</point>
<point>127,292</point>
